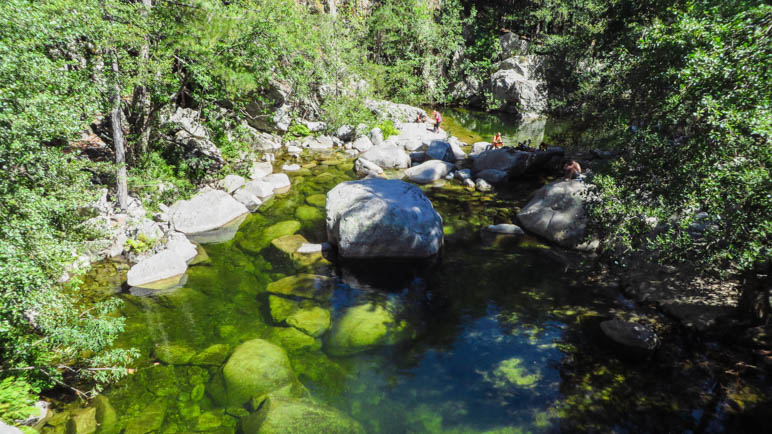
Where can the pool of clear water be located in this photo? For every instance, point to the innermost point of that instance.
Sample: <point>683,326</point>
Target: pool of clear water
<point>504,332</point>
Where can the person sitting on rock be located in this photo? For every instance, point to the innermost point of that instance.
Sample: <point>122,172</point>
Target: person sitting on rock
<point>497,142</point>
<point>571,170</point>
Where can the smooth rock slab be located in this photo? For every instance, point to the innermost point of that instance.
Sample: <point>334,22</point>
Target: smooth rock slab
<point>206,211</point>
<point>260,188</point>
<point>429,171</point>
<point>279,181</point>
<point>382,218</point>
<point>163,267</point>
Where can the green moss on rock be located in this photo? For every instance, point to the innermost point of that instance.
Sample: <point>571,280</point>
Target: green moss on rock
<point>286,415</point>
<point>364,327</point>
<point>310,286</point>
<point>214,355</point>
<point>308,213</point>
<point>256,367</point>
<point>173,354</point>
<point>317,200</point>
<point>314,321</point>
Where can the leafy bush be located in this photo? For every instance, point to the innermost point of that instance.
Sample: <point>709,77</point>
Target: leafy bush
<point>17,400</point>
<point>387,128</point>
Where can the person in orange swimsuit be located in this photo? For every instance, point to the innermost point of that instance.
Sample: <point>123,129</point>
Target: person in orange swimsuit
<point>497,142</point>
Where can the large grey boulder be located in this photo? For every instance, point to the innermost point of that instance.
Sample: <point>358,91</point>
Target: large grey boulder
<point>414,136</point>
<point>514,163</point>
<point>441,150</point>
<point>387,156</point>
<point>632,336</point>
<point>480,147</point>
<point>429,171</point>
<point>207,211</point>
<point>188,132</point>
<point>520,95</point>
<point>259,140</point>
<point>259,187</point>
<point>167,265</point>
<point>382,218</point>
<point>556,213</point>
<point>179,243</point>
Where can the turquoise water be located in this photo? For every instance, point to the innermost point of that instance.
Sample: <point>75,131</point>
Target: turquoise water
<point>496,335</point>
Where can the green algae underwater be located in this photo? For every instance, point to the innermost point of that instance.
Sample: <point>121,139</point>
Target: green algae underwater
<point>497,335</point>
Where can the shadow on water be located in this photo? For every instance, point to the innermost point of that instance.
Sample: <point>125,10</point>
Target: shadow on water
<point>497,335</point>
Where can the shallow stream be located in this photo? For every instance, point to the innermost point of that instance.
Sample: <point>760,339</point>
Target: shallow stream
<point>496,335</point>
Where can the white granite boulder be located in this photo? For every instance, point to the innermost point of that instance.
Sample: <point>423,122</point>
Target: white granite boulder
<point>207,211</point>
<point>429,171</point>
<point>375,218</point>
<point>556,213</point>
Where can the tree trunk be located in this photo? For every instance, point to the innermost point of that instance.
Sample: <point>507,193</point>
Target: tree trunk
<point>118,141</point>
<point>141,106</point>
<point>332,8</point>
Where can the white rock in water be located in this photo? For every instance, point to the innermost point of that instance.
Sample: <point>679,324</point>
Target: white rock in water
<point>429,171</point>
<point>504,228</point>
<point>259,187</point>
<point>206,211</point>
<point>292,149</point>
<point>179,243</point>
<point>290,167</point>
<point>279,181</point>
<point>260,169</point>
<point>231,183</point>
<point>166,265</point>
<point>375,218</point>
<point>249,200</point>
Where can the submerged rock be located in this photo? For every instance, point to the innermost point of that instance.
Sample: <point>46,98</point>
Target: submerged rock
<point>207,211</point>
<point>314,321</point>
<point>364,327</point>
<point>83,421</point>
<point>382,218</point>
<point>506,229</point>
<point>310,286</point>
<point>255,368</point>
<point>630,335</point>
<point>557,213</point>
<point>276,414</point>
<point>429,171</point>
<point>160,271</point>
<point>213,355</point>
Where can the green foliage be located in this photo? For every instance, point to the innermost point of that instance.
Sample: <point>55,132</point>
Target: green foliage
<point>411,42</point>
<point>298,130</point>
<point>387,128</point>
<point>154,180</point>
<point>694,83</point>
<point>17,400</point>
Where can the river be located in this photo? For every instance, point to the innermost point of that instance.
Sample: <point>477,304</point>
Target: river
<point>503,333</point>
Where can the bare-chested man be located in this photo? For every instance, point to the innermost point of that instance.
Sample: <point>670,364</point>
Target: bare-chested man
<point>571,170</point>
